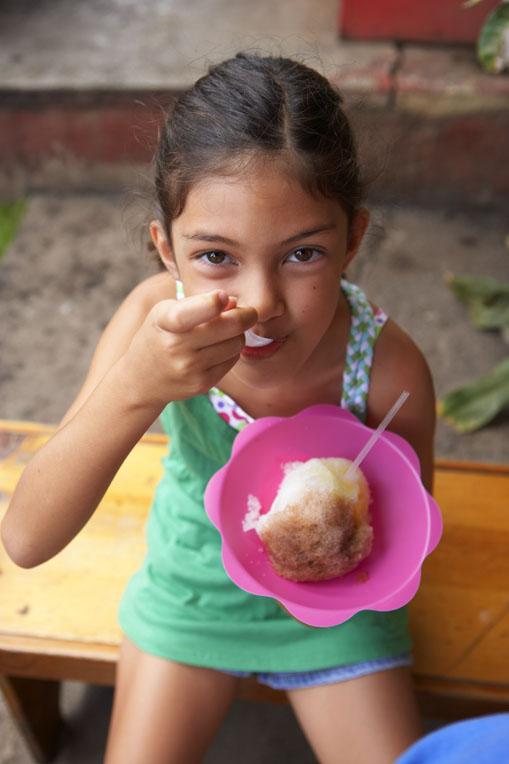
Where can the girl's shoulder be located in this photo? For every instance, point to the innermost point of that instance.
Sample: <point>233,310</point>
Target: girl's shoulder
<point>399,364</point>
<point>133,311</point>
<point>398,360</point>
<point>139,302</point>
<point>150,291</point>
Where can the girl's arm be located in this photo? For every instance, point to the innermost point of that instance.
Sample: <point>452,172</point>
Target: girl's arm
<point>65,480</point>
<point>399,365</point>
<point>153,351</point>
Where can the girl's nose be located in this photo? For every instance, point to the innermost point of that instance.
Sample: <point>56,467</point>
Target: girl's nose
<point>263,292</point>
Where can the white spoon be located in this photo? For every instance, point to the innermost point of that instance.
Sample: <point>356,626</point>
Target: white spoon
<point>254,341</point>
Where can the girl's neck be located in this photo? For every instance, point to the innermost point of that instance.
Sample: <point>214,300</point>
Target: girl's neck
<point>321,381</point>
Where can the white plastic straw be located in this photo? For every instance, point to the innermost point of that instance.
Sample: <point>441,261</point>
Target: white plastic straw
<point>379,430</point>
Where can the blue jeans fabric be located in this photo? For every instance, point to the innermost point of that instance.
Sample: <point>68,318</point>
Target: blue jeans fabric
<point>296,680</point>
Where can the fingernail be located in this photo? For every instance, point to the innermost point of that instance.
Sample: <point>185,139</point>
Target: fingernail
<point>223,297</point>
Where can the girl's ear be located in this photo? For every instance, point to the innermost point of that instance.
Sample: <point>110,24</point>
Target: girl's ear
<point>163,247</point>
<point>356,231</point>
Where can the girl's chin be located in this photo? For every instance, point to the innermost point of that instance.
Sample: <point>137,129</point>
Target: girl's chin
<point>262,376</point>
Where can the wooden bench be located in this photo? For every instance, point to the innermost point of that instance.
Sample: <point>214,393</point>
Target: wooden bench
<point>58,621</point>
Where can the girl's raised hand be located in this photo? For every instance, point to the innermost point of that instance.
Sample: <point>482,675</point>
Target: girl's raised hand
<point>185,347</point>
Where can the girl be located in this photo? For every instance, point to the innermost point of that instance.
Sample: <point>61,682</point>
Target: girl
<point>260,214</point>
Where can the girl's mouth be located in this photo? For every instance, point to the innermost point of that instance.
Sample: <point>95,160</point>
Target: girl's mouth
<point>257,348</point>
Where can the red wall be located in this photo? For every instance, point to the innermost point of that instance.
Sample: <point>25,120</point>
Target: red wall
<point>418,20</point>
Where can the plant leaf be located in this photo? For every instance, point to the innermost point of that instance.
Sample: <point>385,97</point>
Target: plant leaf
<point>470,407</point>
<point>10,218</point>
<point>493,41</point>
<point>486,298</point>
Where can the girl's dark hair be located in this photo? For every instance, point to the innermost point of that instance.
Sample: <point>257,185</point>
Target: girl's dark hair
<point>258,106</point>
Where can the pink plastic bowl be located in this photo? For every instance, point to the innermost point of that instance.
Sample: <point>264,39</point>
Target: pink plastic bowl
<point>406,520</point>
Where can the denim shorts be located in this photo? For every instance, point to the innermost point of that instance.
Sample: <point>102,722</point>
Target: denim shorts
<point>298,680</point>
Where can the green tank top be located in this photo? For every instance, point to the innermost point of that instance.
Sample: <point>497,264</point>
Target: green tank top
<point>181,605</point>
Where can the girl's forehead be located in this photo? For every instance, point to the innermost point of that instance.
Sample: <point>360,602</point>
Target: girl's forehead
<point>265,196</point>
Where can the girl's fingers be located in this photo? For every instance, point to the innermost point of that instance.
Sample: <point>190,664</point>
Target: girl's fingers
<point>216,373</point>
<point>183,315</point>
<point>231,323</point>
<point>220,352</point>
<point>208,319</point>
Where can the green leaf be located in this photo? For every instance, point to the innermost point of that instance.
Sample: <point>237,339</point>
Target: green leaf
<point>486,298</point>
<point>10,218</point>
<point>470,407</point>
<point>493,42</point>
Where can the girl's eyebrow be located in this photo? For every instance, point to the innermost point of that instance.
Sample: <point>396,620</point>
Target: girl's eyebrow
<point>217,239</point>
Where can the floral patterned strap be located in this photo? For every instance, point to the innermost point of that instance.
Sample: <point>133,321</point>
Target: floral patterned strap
<point>179,288</point>
<point>229,410</point>
<point>366,325</point>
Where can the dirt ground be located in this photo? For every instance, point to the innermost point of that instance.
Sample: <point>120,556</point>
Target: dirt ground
<point>73,261</point>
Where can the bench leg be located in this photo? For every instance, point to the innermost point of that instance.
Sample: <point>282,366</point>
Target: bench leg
<point>34,704</point>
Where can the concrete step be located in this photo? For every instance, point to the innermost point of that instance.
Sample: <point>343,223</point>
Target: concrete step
<point>83,86</point>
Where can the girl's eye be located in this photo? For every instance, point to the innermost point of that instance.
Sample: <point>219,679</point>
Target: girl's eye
<point>215,258</point>
<point>304,255</point>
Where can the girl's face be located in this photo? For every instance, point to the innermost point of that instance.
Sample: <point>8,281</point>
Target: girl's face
<point>263,239</point>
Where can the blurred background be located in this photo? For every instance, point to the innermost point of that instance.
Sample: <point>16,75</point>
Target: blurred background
<point>83,88</point>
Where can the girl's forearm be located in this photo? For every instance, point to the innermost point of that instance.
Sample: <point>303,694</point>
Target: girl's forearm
<point>64,482</point>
